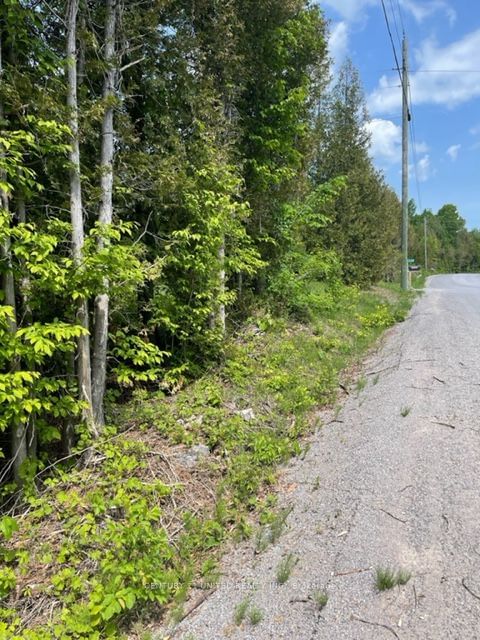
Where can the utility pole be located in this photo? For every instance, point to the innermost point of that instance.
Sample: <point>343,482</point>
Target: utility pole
<point>405,121</point>
<point>425,239</point>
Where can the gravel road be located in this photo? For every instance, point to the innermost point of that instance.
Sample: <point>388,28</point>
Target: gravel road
<point>379,489</point>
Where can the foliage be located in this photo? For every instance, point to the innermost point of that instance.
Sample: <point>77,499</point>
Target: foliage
<point>113,553</point>
<point>243,198</point>
<point>450,246</point>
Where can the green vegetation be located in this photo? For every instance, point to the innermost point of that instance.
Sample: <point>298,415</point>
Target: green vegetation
<point>255,616</point>
<point>388,578</point>
<point>451,247</point>
<point>320,599</point>
<point>285,568</point>
<point>245,609</point>
<point>240,612</point>
<point>189,232</point>
<point>404,411</point>
<point>274,524</point>
<point>361,384</point>
<point>144,518</point>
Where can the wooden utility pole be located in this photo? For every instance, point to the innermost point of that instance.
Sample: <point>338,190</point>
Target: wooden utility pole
<point>405,121</point>
<point>425,245</point>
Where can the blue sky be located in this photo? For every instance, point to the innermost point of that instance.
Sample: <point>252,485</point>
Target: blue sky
<point>444,38</point>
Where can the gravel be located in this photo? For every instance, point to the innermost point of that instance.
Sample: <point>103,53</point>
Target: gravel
<point>378,490</point>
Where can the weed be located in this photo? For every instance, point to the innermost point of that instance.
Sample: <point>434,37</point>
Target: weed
<point>255,616</point>
<point>241,611</point>
<point>320,599</point>
<point>316,484</point>
<point>272,532</point>
<point>405,411</point>
<point>403,576</point>
<point>281,373</point>
<point>385,579</point>
<point>361,384</point>
<point>388,578</point>
<point>376,379</point>
<point>285,568</point>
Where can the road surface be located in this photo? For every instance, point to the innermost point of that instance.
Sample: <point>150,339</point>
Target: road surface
<point>379,489</point>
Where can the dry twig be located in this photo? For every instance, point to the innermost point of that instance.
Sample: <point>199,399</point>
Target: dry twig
<point>377,624</point>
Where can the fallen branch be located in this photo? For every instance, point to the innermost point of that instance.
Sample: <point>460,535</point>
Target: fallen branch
<point>349,573</point>
<point>377,624</point>
<point>302,600</point>
<point>394,517</point>
<point>469,590</point>
<point>372,373</point>
<point>196,604</point>
<point>443,424</point>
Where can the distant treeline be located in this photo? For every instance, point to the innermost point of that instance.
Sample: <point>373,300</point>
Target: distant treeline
<point>450,246</point>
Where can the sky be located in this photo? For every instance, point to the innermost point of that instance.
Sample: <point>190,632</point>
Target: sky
<point>444,58</point>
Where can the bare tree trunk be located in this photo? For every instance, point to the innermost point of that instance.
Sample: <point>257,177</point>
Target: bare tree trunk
<point>106,212</point>
<point>221,281</point>
<point>76,214</point>
<point>26,314</point>
<point>18,430</point>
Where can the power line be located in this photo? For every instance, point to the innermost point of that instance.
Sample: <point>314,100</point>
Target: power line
<point>395,23</point>
<point>387,22</point>
<point>447,71</point>
<point>400,13</point>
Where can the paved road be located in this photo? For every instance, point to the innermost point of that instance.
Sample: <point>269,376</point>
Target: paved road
<point>380,490</point>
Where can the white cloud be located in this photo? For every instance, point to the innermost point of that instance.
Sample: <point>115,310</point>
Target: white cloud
<point>424,168</point>
<point>443,86</point>
<point>421,11</point>
<point>385,141</point>
<point>338,42</point>
<point>453,151</point>
<point>421,147</point>
<point>475,130</point>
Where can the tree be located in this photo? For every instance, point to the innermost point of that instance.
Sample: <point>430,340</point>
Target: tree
<point>99,371</point>
<point>366,216</point>
<point>76,215</point>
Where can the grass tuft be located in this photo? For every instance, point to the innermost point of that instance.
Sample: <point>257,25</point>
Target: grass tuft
<point>241,611</point>
<point>255,616</point>
<point>285,568</point>
<point>386,578</point>
<point>405,411</point>
<point>271,532</point>
<point>320,599</point>
<point>361,384</point>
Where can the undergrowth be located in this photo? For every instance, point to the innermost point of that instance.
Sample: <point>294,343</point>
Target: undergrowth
<point>99,548</point>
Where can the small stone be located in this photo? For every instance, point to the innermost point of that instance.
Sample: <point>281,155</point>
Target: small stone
<point>247,414</point>
<point>193,455</point>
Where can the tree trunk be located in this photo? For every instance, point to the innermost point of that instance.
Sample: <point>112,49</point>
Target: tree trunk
<point>76,214</point>
<point>18,431</point>
<point>221,282</point>
<point>106,212</point>
<point>26,314</point>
